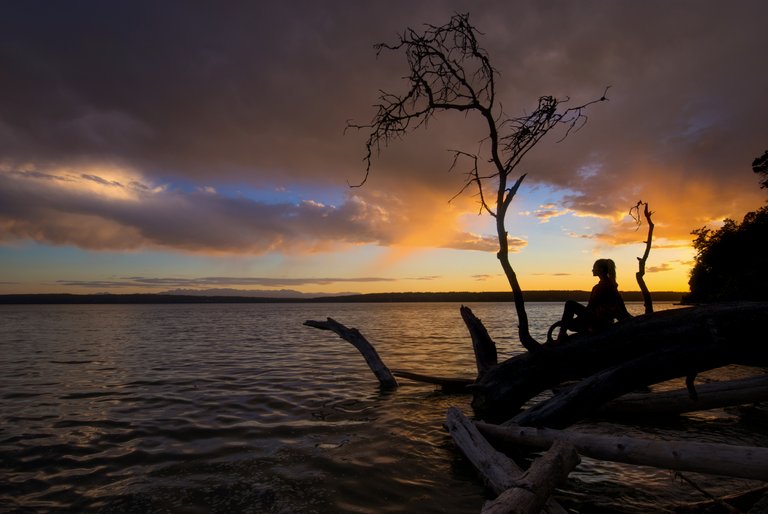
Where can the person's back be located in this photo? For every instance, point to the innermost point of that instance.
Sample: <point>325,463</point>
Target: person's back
<point>605,304</point>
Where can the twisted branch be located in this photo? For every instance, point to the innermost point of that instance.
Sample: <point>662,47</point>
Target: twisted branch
<point>450,71</point>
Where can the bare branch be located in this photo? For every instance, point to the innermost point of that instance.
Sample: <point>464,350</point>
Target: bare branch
<point>474,179</point>
<point>450,71</point>
<point>639,276</point>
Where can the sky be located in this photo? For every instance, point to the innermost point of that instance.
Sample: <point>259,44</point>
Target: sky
<point>187,145</point>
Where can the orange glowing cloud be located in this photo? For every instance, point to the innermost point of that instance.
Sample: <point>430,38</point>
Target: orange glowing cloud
<point>114,209</point>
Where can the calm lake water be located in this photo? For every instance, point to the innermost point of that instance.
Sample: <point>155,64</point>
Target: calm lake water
<point>240,408</point>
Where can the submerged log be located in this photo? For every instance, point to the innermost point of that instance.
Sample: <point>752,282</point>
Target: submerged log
<point>447,384</point>
<point>714,395</point>
<point>718,459</point>
<point>497,470</point>
<point>353,336</point>
<point>727,330</point>
<point>532,490</point>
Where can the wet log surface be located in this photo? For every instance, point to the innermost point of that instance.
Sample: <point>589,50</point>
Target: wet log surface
<point>714,458</point>
<point>498,471</point>
<point>531,492</point>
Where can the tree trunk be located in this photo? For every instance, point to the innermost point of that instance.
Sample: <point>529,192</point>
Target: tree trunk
<point>484,347</point>
<point>717,459</point>
<point>531,492</point>
<point>727,330</point>
<point>586,397</point>
<point>710,396</point>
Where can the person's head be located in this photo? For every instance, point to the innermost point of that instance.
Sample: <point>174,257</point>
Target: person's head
<point>604,268</point>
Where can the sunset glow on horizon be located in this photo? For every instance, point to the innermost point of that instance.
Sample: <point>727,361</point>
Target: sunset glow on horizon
<point>150,148</point>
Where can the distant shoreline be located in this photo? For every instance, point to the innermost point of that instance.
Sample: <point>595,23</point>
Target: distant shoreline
<point>454,297</point>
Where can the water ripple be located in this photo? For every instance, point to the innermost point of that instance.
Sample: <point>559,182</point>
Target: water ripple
<point>241,408</point>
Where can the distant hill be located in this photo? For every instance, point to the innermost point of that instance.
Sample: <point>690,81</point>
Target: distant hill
<point>252,293</point>
<point>456,297</point>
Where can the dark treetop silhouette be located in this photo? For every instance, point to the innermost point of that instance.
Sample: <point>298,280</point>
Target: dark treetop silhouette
<point>730,261</point>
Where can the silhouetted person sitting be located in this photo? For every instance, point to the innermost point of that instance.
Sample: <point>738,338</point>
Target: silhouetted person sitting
<point>605,305</point>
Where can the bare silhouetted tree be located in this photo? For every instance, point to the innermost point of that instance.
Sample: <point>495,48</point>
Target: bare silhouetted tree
<point>638,215</point>
<point>450,71</point>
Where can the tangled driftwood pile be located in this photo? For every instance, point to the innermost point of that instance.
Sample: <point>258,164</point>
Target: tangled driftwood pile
<point>601,372</point>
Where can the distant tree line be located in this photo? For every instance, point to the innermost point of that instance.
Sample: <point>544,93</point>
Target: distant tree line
<point>730,262</point>
<point>455,297</point>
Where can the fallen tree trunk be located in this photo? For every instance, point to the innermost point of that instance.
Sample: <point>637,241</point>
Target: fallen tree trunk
<point>586,397</point>
<point>497,470</point>
<point>531,492</point>
<point>728,329</point>
<point>353,336</point>
<point>710,396</point>
<point>717,459</point>
<point>386,376</point>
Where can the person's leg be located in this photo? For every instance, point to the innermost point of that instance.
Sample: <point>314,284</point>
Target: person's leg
<point>571,311</point>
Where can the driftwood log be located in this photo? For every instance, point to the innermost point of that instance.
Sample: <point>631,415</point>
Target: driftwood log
<point>587,396</point>
<point>532,490</point>
<point>447,384</point>
<point>719,459</point>
<point>498,471</point>
<point>369,353</point>
<point>641,351</point>
<point>638,352</point>
<point>710,396</point>
<point>484,347</point>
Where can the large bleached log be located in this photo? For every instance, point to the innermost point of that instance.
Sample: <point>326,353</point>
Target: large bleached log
<point>353,336</point>
<point>532,490</point>
<point>729,330</point>
<point>714,395</point>
<point>718,459</point>
<point>497,470</point>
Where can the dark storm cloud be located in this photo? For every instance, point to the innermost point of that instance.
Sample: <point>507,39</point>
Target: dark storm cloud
<point>106,214</point>
<point>187,87</point>
<point>249,91</point>
<point>140,217</point>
